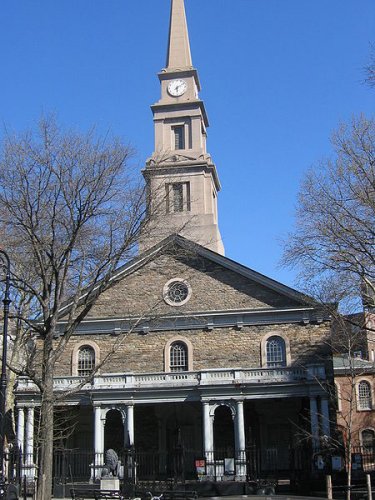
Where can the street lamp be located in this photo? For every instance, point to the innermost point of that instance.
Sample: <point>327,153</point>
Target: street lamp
<point>3,379</point>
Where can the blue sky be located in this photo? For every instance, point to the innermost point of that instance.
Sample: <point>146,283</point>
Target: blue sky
<point>277,78</point>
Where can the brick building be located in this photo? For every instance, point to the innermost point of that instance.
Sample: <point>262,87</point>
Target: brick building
<point>202,358</point>
<point>354,376</point>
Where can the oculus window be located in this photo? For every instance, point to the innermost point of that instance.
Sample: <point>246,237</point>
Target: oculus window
<point>176,292</point>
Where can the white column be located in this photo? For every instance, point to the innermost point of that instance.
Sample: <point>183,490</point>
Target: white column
<point>130,423</point>
<point>324,407</point>
<point>239,430</point>
<point>208,445</point>
<point>240,426</point>
<point>98,430</point>
<point>29,448</point>
<point>207,428</point>
<point>98,441</point>
<point>314,422</point>
<point>21,429</point>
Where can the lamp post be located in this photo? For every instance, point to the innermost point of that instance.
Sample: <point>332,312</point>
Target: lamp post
<point>3,379</point>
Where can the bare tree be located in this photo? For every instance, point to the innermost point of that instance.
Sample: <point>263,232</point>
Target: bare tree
<point>333,243</point>
<point>370,69</point>
<point>71,211</point>
<point>333,248</point>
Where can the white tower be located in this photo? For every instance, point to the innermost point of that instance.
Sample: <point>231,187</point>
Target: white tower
<point>181,178</point>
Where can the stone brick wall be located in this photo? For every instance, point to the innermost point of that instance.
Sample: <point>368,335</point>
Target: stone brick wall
<point>219,348</point>
<point>214,288</point>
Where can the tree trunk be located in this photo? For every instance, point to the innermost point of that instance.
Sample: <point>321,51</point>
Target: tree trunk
<point>11,380</point>
<point>349,481</point>
<point>44,486</point>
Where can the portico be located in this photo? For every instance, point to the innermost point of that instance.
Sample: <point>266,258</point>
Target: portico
<point>186,410</point>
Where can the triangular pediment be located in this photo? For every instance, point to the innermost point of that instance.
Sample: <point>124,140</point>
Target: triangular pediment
<point>217,285</point>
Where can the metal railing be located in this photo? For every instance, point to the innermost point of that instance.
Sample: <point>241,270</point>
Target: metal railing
<point>158,467</point>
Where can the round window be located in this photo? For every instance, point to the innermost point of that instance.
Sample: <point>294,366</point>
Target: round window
<point>176,292</point>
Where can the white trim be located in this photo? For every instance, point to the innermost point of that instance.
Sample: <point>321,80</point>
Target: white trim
<point>338,396</point>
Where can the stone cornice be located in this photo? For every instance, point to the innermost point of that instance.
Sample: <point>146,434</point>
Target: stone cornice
<point>201,320</point>
<point>177,164</point>
<point>185,105</point>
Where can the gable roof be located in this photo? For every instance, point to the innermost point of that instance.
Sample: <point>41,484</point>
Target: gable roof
<point>344,364</point>
<point>176,240</point>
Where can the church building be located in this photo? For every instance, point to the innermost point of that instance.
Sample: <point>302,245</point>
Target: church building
<point>215,373</point>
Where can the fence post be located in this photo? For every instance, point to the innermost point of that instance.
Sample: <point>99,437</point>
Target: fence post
<point>24,488</point>
<point>368,481</point>
<point>329,486</point>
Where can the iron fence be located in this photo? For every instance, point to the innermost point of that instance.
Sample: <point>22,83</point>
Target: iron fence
<point>363,458</point>
<point>178,466</point>
<point>181,464</point>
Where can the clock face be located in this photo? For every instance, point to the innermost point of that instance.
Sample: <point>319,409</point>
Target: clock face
<point>177,87</point>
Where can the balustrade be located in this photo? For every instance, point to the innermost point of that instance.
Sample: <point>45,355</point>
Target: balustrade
<point>185,379</point>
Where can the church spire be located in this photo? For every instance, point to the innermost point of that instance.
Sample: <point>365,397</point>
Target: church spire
<point>182,181</point>
<point>178,55</point>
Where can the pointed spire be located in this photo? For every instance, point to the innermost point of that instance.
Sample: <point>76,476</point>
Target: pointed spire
<point>178,55</point>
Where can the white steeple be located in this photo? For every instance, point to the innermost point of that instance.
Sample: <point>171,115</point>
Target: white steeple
<point>181,178</point>
<point>178,55</point>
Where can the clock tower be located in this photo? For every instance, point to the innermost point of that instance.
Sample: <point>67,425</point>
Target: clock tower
<point>182,181</point>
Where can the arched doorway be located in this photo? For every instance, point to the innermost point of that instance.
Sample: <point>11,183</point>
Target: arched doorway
<point>224,445</point>
<point>114,431</point>
<point>180,439</point>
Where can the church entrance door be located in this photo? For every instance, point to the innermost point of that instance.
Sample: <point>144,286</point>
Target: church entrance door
<point>114,431</point>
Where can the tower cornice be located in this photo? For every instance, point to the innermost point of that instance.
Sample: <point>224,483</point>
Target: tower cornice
<point>187,105</point>
<point>177,165</point>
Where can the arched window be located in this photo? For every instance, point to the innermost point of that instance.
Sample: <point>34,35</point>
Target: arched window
<point>86,361</point>
<point>364,396</point>
<point>178,357</point>
<point>368,440</point>
<point>275,352</point>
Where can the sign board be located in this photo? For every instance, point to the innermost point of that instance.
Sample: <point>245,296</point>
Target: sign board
<point>229,469</point>
<point>200,466</point>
